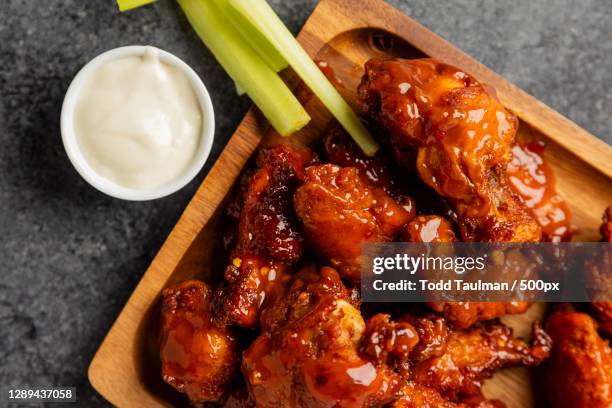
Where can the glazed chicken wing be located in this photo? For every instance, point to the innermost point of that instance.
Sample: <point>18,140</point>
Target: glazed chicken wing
<point>267,241</point>
<point>456,370</point>
<point>462,136</point>
<point>312,358</point>
<point>443,367</point>
<point>579,372</point>
<point>339,212</point>
<point>198,358</point>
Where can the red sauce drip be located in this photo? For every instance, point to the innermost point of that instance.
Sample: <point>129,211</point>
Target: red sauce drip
<point>533,179</point>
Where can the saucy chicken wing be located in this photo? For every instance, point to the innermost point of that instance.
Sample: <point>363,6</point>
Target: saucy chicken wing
<point>267,241</point>
<point>339,212</point>
<point>579,372</point>
<point>462,135</point>
<point>456,370</point>
<point>312,359</point>
<point>198,358</point>
<point>444,367</point>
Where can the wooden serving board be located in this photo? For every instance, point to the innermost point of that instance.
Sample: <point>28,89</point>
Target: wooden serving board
<point>343,33</point>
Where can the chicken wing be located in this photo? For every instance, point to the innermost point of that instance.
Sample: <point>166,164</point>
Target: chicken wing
<point>312,359</point>
<point>469,356</point>
<point>267,240</point>
<point>339,212</point>
<point>579,372</point>
<point>198,358</point>
<point>462,135</point>
<point>444,367</point>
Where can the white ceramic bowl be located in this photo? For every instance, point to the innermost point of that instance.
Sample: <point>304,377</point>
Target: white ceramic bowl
<point>103,184</point>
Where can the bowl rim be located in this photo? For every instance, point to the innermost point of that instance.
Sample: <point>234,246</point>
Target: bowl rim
<point>106,186</point>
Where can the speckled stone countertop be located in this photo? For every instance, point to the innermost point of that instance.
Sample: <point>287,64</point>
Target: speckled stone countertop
<point>70,256</point>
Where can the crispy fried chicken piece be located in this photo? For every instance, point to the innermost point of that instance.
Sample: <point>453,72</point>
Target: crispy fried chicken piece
<point>428,228</point>
<point>599,278</point>
<point>579,372</point>
<point>267,221</point>
<point>249,281</point>
<point>312,359</point>
<point>267,241</point>
<point>463,137</point>
<point>457,369</point>
<point>339,212</point>
<point>394,343</point>
<point>198,358</point>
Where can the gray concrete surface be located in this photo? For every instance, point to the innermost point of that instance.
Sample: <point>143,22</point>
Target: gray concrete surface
<point>70,257</point>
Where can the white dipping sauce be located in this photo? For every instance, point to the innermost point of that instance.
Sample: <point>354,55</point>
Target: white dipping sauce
<point>138,121</point>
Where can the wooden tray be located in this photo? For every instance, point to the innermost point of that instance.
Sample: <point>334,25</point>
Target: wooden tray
<point>344,33</point>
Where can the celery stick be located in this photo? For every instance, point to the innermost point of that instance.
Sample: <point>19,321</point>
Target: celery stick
<point>245,67</point>
<point>261,15</point>
<point>125,5</point>
<point>256,40</point>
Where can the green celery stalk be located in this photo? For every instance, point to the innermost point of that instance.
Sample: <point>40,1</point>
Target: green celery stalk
<point>125,5</point>
<point>262,17</point>
<point>245,67</point>
<point>253,37</point>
